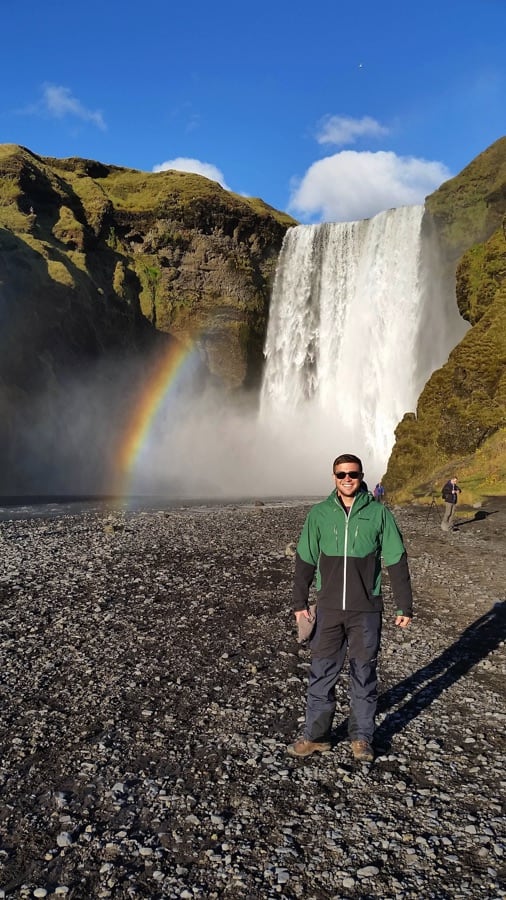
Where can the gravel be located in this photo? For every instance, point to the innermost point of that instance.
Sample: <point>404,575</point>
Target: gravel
<point>150,681</point>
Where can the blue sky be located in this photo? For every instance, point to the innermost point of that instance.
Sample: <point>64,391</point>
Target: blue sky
<point>329,110</point>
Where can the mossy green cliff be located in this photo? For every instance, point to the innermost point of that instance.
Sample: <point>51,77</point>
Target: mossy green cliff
<point>95,258</point>
<point>460,421</point>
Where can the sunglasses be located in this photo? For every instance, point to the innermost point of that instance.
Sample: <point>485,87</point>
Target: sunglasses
<point>353,475</point>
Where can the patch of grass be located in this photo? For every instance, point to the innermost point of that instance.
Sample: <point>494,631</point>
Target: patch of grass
<point>59,273</point>
<point>94,200</point>
<point>68,230</point>
<point>480,273</point>
<point>137,191</point>
<point>78,260</point>
<point>10,215</point>
<point>263,209</point>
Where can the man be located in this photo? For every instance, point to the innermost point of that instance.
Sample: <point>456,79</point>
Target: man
<point>450,494</point>
<point>342,541</point>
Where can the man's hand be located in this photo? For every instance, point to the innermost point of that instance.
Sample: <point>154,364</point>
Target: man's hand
<point>302,612</point>
<point>402,621</point>
<point>306,622</point>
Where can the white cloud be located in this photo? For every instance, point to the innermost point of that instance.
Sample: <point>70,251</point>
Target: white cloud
<point>341,130</point>
<point>184,164</point>
<point>352,185</point>
<point>59,102</point>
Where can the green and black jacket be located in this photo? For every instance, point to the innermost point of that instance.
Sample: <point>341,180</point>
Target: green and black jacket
<point>345,553</point>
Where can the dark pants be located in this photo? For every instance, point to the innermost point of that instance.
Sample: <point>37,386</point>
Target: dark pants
<point>448,516</point>
<point>336,632</point>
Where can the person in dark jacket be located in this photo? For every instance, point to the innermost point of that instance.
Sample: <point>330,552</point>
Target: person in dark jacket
<point>342,542</point>
<point>450,495</point>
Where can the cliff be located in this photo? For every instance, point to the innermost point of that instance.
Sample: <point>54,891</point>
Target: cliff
<point>460,421</point>
<point>95,258</point>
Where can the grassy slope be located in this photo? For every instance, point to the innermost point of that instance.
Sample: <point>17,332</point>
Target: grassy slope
<point>128,189</point>
<point>470,207</point>
<point>135,191</point>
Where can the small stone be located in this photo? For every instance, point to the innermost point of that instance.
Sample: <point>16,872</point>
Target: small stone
<point>64,839</point>
<point>192,820</point>
<point>368,872</point>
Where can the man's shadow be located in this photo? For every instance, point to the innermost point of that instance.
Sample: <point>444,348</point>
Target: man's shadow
<point>425,685</point>
<point>479,516</point>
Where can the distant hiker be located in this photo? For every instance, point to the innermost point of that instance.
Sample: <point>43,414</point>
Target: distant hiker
<point>342,543</point>
<point>379,492</point>
<point>450,495</point>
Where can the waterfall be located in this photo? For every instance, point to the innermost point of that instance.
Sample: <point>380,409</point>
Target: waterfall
<point>358,322</point>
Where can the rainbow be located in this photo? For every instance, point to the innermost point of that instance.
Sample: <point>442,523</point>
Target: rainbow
<point>134,437</point>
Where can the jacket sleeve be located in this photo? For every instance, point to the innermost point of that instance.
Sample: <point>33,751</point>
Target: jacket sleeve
<point>400,580</point>
<point>306,561</point>
<point>396,561</point>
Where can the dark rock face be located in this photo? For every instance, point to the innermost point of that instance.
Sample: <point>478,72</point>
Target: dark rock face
<point>462,408</point>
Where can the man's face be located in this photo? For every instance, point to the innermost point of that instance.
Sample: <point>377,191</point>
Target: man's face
<point>348,485</point>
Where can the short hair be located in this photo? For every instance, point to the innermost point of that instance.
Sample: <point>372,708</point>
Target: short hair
<point>349,458</point>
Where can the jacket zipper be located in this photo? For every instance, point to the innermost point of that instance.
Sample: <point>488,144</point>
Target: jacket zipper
<point>346,523</point>
<point>345,558</point>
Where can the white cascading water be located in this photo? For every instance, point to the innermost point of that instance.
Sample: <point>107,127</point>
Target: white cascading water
<point>358,322</point>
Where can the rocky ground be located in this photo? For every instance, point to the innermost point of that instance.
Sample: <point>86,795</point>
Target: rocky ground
<point>150,681</point>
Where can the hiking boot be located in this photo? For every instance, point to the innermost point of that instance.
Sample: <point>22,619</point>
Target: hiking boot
<point>304,747</point>
<point>362,751</point>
